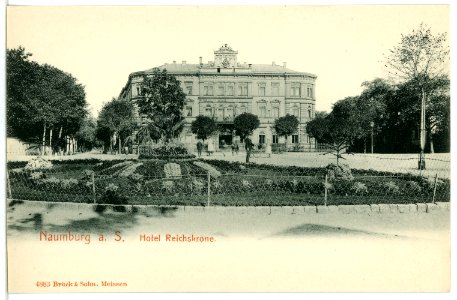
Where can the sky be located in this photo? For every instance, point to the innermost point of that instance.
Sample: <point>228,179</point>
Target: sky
<point>101,45</point>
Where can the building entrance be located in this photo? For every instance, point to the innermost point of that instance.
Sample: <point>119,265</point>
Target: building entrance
<point>226,135</point>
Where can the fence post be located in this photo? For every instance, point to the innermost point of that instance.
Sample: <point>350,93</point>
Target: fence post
<point>8,184</point>
<point>325,186</point>
<point>93,187</point>
<point>434,188</point>
<point>209,189</point>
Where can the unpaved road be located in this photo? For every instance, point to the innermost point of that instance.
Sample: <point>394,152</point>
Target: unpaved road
<point>250,252</point>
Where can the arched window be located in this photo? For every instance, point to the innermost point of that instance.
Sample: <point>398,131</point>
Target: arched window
<point>296,110</point>
<point>208,111</point>
<point>275,109</point>
<point>228,113</point>
<point>262,108</point>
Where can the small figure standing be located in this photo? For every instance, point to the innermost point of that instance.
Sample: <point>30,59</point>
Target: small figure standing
<point>210,147</point>
<point>248,145</point>
<point>268,148</point>
<point>199,148</point>
<point>234,147</point>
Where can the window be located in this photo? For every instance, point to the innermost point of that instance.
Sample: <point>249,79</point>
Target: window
<point>295,138</point>
<point>275,89</point>
<point>261,138</point>
<point>310,92</point>
<point>295,91</point>
<point>261,90</point>
<point>230,90</point>
<point>189,90</point>
<point>262,109</point>
<point>296,111</point>
<point>220,113</point>
<point>188,111</point>
<point>229,113</point>
<point>242,109</point>
<point>275,109</point>
<point>138,91</point>
<point>208,90</point>
<point>220,90</point>
<point>275,139</point>
<point>243,89</point>
<point>208,111</point>
<point>309,112</point>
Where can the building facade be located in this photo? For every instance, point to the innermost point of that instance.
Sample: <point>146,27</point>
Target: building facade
<point>224,88</point>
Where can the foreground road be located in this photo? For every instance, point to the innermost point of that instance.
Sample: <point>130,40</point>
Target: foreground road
<point>150,251</point>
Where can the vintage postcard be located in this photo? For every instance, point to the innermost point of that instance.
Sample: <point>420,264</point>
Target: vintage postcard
<point>228,148</point>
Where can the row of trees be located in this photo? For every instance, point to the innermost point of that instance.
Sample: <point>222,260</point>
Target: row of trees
<point>391,110</point>
<point>45,105</point>
<point>244,124</point>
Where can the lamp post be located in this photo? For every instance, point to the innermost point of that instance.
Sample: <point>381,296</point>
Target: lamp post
<point>372,126</point>
<point>421,163</point>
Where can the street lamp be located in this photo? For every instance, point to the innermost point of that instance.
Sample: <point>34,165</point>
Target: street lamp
<point>421,163</point>
<point>372,126</point>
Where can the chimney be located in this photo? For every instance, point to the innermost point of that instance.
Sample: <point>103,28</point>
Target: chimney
<point>273,64</point>
<point>183,62</point>
<point>201,60</point>
<point>284,64</point>
<point>174,62</point>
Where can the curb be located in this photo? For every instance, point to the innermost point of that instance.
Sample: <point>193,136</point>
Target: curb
<point>268,210</point>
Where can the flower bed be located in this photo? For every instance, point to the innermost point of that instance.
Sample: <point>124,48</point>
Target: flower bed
<point>232,183</point>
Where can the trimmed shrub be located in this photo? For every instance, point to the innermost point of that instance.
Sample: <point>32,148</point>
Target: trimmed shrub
<point>38,163</point>
<point>341,172</point>
<point>111,196</point>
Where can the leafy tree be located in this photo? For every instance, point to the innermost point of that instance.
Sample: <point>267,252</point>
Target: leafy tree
<point>371,107</point>
<point>339,129</point>
<point>86,134</point>
<point>41,98</point>
<point>318,127</point>
<point>285,126</point>
<point>245,124</point>
<point>419,58</point>
<point>115,123</point>
<point>21,74</point>
<point>203,127</point>
<point>405,108</point>
<point>162,103</point>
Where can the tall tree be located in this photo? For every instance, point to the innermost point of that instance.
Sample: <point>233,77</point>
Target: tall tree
<point>115,123</point>
<point>371,107</point>
<point>39,97</point>
<point>162,102</point>
<point>339,129</point>
<point>285,126</point>
<point>245,124</point>
<point>420,57</point>
<point>86,134</point>
<point>203,127</point>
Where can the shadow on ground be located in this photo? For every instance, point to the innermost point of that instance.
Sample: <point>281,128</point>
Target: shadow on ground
<point>317,230</point>
<point>105,220</point>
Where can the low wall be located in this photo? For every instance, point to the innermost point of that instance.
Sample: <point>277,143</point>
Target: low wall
<point>271,210</point>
